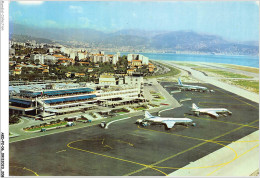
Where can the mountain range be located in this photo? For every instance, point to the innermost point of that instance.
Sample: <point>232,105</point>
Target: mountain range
<point>141,39</point>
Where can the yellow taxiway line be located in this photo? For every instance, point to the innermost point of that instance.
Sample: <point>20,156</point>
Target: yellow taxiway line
<point>233,160</point>
<point>26,169</point>
<point>170,157</point>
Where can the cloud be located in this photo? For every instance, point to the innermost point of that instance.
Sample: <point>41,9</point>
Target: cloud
<point>257,3</point>
<point>76,9</point>
<point>30,2</point>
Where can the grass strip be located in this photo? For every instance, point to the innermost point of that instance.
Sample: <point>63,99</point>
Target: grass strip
<point>223,73</point>
<point>248,84</point>
<point>48,126</point>
<point>244,68</point>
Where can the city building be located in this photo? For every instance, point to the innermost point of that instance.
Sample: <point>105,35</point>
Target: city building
<point>107,80</point>
<point>118,95</point>
<point>44,101</point>
<point>48,100</point>
<point>37,58</point>
<point>136,63</point>
<point>136,57</point>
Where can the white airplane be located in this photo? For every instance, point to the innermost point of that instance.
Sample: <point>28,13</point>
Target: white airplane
<point>210,111</point>
<point>169,122</point>
<point>190,87</point>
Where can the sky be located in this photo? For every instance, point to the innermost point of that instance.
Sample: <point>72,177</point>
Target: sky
<point>232,20</point>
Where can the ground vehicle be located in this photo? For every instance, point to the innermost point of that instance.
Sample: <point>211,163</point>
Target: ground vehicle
<point>103,124</point>
<point>69,124</point>
<point>144,124</point>
<point>139,121</point>
<point>87,121</point>
<point>43,130</point>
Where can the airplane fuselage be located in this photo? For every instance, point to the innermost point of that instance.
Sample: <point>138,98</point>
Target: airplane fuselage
<point>176,120</point>
<point>191,87</point>
<point>212,111</point>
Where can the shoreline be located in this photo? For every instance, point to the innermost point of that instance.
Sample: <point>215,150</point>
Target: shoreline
<point>204,62</point>
<point>204,54</point>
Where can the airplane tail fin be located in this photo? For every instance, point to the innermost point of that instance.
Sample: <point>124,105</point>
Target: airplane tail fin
<point>179,81</point>
<point>194,106</point>
<point>147,115</point>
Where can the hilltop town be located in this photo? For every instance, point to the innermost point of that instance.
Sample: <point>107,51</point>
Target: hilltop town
<point>32,61</point>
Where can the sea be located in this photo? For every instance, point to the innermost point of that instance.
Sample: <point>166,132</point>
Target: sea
<point>243,60</point>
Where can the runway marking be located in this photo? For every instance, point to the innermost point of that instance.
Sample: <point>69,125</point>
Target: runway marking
<point>170,157</point>
<point>26,169</point>
<point>112,157</point>
<point>125,142</point>
<point>116,121</point>
<point>108,146</point>
<point>233,160</point>
<point>60,151</point>
<point>221,121</point>
<point>200,139</point>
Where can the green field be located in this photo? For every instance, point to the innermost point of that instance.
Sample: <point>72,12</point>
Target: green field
<point>247,69</point>
<point>47,126</point>
<point>121,112</point>
<point>223,73</point>
<point>250,85</point>
<point>139,108</point>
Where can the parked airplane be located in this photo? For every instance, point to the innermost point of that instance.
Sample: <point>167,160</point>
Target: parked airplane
<point>169,122</point>
<point>210,111</point>
<point>190,87</point>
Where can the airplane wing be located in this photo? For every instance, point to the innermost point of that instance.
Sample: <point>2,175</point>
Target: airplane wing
<point>212,113</point>
<point>169,124</point>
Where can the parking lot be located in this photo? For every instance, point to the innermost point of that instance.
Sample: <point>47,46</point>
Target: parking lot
<point>126,148</point>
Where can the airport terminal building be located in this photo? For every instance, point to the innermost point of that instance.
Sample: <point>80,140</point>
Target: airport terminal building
<point>47,100</point>
<point>51,101</point>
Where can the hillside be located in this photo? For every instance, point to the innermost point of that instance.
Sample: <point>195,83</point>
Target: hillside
<point>139,39</point>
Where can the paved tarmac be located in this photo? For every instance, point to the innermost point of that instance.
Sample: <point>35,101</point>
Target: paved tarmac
<point>128,149</point>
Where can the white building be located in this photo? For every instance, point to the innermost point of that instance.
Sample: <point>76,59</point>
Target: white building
<point>115,59</point>
<point>51,50</point>
<point>50,60</point>
<point>134,81</point>
<point>36,57</point>
<point>11,51</point>
<point>144,59</point>
<point>118,95</point>
<point>107,80</point>
<point>81,55</point>
<point>105,58</point>
<point>72,55</point>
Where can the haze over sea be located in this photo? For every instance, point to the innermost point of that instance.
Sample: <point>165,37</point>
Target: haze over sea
<point>251,61</point>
